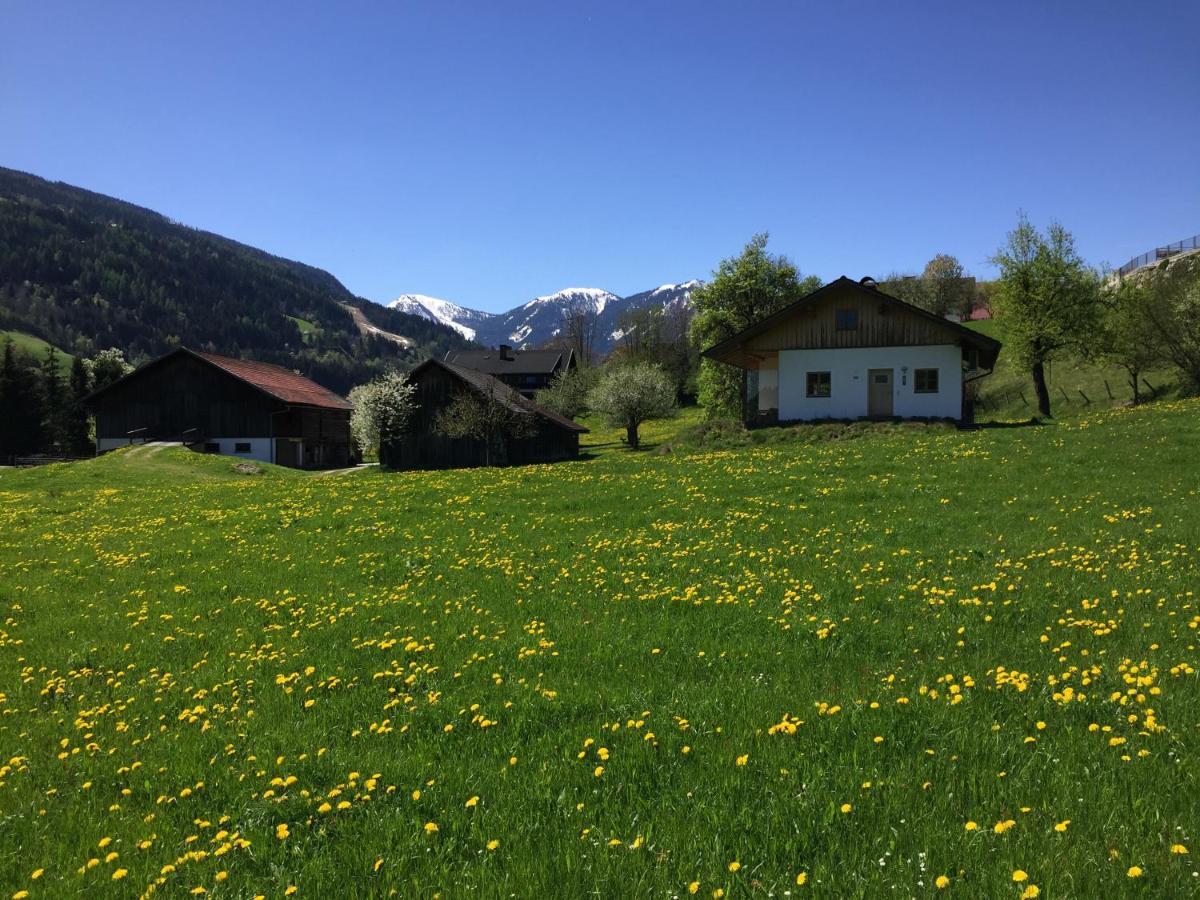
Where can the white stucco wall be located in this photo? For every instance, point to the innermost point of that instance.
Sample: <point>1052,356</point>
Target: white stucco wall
<point>260,448</point>
<point>848,381</point>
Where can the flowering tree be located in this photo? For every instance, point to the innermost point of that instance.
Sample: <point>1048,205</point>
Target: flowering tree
<point>382,408</point>
<point>629,395</point>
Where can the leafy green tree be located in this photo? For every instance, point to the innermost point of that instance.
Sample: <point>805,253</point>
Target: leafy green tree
<point>108,366</point>
<point>912,289</point>
<point>568,390</point>
<point>1173,289</point>
<point>1046,296</point>
<point>627,395</point>
<point>743,290</point>
<point>1126,335</point>
<point>381,410</point>
<point>946,286</point>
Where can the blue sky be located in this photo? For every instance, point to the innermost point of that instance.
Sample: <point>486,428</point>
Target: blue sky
<point>490,152</point>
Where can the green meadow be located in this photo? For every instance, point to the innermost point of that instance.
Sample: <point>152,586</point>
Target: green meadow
<point>895,661</point>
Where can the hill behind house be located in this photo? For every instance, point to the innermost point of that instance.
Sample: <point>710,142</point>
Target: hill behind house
<point>84,272</point>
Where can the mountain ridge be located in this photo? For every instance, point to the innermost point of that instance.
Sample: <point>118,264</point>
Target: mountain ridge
<point>85,271</point>
<point>539,321</point>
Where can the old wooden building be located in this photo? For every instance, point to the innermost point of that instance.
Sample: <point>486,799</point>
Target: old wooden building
<point>546,437</point>
<point>849,351</point>
<point>216,404</point>
<point>526,371</point>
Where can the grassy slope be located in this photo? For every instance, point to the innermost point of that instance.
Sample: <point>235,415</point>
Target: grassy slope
<point>34,346</point>
<point>191,658</point>
<point>1002,390</point>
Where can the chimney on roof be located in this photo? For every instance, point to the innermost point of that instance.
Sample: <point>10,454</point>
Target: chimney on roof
<point>506,352</point>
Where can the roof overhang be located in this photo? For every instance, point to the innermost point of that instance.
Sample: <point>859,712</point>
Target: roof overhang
<point>735,352</point>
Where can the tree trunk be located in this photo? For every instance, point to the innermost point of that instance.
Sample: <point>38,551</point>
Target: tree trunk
<point>631,436</point>
<point>1133,383</point>
<point>1039,385</point>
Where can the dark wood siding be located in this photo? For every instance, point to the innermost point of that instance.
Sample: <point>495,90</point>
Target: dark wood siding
<point>880,324</point>
<point>424,448</point>
<point>183,396</point>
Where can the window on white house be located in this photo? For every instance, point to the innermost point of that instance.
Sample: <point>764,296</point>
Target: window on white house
<point>925,381</point>
<point>846,319</point>
<point>818,384</point>
<point>241,447</point>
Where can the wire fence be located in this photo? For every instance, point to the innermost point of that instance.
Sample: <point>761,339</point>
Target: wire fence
<point>1160,253</point>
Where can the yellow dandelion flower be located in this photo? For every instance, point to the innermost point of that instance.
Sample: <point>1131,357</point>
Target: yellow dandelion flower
<point>1020,875</point>
<point>471,803</point>
<point>1030,892</point>
<point>431,828</point>
<point>941,882</point>
<point>1179,849</point>
<point>493,844</point>
<point>802,878</point>
<point>693,887</point>
<point>1134,872</point>
<point>281,831</point>
<point>846,807</point>
<point>734,866</point>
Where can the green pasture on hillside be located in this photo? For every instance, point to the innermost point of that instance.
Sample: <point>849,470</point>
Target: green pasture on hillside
<point>918,662</point>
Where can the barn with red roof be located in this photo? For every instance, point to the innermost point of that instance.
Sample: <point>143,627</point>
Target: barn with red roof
<point>218,404</point>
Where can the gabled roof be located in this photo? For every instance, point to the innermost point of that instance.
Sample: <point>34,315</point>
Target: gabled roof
<point>989,348</point>
<point>275,381</point>
<point>522,362</point>
<point>490,386</point>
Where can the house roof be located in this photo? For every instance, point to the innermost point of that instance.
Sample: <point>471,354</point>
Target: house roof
<point>489,385</point>
<point>276,381</point>
<point>523,362</point>
<point>729,349</point>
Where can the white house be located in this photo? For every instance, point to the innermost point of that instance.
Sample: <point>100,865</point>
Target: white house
<point>850,351</point>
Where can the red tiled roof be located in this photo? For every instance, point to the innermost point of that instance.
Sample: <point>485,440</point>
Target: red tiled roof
<point>277,381</point>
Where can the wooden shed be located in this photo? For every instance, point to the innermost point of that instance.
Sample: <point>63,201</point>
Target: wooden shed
<point>217,404</point>
<point>550,437</point>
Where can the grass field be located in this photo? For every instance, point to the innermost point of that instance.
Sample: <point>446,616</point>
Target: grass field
<point>35,346</point>
<point>1076,386</point>
<point>857,668</point>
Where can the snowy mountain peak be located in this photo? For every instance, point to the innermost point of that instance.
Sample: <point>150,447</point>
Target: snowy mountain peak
<point>540,321</point>
<point>437,310</point>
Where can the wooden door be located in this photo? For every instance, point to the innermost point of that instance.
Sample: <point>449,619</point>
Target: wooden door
<point>879,392</point>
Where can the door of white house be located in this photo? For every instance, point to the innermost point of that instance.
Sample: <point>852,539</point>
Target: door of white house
<point>879,392</point>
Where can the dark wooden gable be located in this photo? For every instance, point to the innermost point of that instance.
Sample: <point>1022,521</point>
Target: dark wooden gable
<point>877,323</point>
<point>183,397</point>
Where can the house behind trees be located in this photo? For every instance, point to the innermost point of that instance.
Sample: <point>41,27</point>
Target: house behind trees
<point>546,437</point>
<point>217,404</point>
<point>526,371</point>
<point>847,351</point>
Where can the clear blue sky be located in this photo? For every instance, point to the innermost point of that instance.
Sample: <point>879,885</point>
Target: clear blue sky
<point>488,152</point>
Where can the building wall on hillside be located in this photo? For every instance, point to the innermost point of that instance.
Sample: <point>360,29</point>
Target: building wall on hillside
<point>848,370</point>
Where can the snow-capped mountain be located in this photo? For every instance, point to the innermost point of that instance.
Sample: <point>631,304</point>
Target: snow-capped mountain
<point>540,320</point>
<point>457,317</point>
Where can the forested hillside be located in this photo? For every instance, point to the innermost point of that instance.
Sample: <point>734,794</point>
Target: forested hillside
<point>86,272</point>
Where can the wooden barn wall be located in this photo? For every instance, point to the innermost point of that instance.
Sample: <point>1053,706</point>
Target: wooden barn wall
<point>179,394</point>
<point>879,325</point>
<point>423,448</point>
